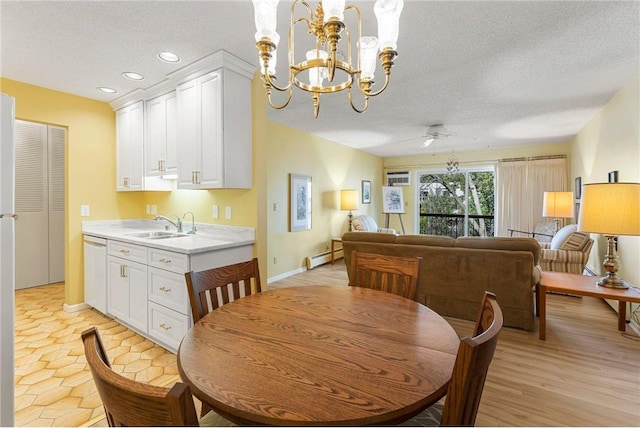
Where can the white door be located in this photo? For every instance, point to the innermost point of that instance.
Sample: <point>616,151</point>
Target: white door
<point>40,191</point>
<point>32,205</point>
<point>188,129</point>
<point>118,297</point>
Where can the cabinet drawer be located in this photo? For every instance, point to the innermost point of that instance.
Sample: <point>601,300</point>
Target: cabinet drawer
<point>174,262</point>
<point>169,289</point>
<point>126,251</point>
<point>167,326</point>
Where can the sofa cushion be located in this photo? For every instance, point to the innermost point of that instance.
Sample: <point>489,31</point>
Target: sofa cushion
<point>562,235</point>
<point>501,243</point>
<point>432,240</point>
<point>575,242</point>
<point>384,238</point>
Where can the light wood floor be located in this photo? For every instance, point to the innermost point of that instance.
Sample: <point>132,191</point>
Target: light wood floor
<point>585,374</point>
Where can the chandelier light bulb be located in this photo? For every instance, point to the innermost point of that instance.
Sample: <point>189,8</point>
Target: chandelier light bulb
<point>388,15</point>
<point>368,46</point>
<point>266,19</point>
<point>317,74</point>
<point>333,9</point>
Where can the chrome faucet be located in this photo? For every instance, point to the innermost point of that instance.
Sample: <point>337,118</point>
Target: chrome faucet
<point>177,223</point>
<point>193,222</point>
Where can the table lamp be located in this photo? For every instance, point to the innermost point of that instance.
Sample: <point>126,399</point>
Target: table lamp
<point>349,201</point>
<point>611,209</point>
<point>557,205</point>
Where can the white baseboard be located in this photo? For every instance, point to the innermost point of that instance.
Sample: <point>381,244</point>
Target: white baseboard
<point>285,275</point>
<point>75,308</point>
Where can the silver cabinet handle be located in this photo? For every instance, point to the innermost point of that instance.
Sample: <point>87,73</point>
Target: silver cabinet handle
<point>165,261</point>
<point>125,182</point>
<point>161,165</point>
<point>125,252</point>
<point>9,216</point>
<point>165,290</point>
<point>165,327</point>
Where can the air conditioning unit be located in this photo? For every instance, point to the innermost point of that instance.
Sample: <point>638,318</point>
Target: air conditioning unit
<point>398,178</point>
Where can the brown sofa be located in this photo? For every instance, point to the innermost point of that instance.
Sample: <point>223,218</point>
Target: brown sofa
<point>455,273</point>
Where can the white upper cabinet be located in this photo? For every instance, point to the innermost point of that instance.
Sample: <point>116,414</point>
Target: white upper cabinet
<point>198,125</point>
<point>161,143</point>
<point>130,147</point>
<point>214,127</point>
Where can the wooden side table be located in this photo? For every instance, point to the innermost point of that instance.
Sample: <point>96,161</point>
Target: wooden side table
<point>582,285</point>
<point>333,247</point>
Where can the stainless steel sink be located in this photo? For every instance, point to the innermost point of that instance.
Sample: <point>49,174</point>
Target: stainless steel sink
<point>157,234</point>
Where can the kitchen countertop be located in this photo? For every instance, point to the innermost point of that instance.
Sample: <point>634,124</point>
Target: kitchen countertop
<point>209,237</point>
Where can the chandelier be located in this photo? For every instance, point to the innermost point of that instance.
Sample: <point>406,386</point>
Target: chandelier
<point>453,164</point>
<point>326,60</point>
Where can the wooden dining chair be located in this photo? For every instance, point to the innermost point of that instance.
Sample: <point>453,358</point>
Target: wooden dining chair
<point>130,403</point>
<point>209,289</point>
<point>398,275</point>
<point>469,372</point>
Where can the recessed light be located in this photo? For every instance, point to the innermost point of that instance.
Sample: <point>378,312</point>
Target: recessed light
<point>107,90</point>
<point>168,57</point>
<point>133,76</point>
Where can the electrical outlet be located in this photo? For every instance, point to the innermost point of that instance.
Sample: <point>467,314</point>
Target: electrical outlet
<point>154,209</point>
<point>84,210</point>
<point>214,211</point>
<point>275,206</point>
<point>148,209</point>
<point>227,213</point>
<point>275,260</point>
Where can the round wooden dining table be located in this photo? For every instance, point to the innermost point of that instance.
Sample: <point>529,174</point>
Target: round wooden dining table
<point>319,355</point>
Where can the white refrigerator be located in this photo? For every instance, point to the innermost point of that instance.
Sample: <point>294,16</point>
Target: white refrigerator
<point>7,258</point>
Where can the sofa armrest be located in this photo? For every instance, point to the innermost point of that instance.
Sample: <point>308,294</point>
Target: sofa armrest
<point>545,245</point>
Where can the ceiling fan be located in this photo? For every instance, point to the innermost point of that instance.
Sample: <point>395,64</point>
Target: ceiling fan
<point>435,132</point>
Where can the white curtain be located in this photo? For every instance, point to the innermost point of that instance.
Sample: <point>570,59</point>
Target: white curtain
<point>520,186</point>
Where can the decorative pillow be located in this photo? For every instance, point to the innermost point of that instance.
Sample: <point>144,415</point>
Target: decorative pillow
<point>364,223</point>
<point>575,242</point>
<point>562,235</point>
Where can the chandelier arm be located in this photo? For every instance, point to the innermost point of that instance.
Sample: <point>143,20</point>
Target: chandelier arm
<point>268,83</point>
<point>378,92</point>
<point>359,35</point>
<point>280,107</point>
<point>366,102</point>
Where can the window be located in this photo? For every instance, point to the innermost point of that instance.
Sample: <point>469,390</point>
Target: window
<point>460,204</point>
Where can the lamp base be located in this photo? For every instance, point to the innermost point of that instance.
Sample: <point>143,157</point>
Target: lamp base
<point>612,282</point>
<point>611,265</point>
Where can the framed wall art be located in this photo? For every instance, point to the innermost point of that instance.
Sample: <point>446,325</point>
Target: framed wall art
<point>299,202</point>
<point>392,201</point>
<point>366,192</point>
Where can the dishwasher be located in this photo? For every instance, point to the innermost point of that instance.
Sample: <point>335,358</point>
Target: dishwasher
<point>95,272</point>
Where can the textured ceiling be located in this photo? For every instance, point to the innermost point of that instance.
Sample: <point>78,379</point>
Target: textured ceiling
<point>496,74</point>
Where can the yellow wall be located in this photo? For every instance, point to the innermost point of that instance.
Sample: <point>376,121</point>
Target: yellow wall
<point>610,142</point>
<point>332,167</point>
<point>470,158</point>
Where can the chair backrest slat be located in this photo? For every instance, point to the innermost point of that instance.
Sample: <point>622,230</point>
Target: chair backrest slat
<point>398,275</point>
<point>471,366</point>
<point>232,281</point>
<point>130,403</point>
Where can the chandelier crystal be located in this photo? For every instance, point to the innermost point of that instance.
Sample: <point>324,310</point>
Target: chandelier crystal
<point>328,70</point>
<point>453,164</point>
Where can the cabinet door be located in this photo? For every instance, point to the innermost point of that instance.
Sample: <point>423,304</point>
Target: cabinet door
<point>130,147</point>
<point>211,115</point>
<point>137,276</point>
<point>188,129</point>
<point>156,146</point>
<point>162,136</point>
<point>118,289</point>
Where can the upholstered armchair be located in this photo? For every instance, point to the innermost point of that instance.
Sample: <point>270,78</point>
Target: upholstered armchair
<point>366,223</point>
<point>568,251</point>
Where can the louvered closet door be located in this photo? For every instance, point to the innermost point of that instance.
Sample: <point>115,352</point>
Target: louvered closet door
<point>32,206</point>
<point>56,203</point>
<point>39,204</point>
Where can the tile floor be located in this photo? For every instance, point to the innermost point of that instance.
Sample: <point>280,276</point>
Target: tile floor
<point>53,384</point>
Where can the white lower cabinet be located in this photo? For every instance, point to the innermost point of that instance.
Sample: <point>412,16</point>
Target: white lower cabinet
<point>127,284</point>
<point>147,291</point>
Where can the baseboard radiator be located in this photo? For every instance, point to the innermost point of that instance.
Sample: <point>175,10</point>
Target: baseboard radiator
<point>322,258</point>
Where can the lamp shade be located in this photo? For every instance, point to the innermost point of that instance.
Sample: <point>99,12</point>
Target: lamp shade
<point>558,204</point>
<point>348,199</point>
<point>610,209</point>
